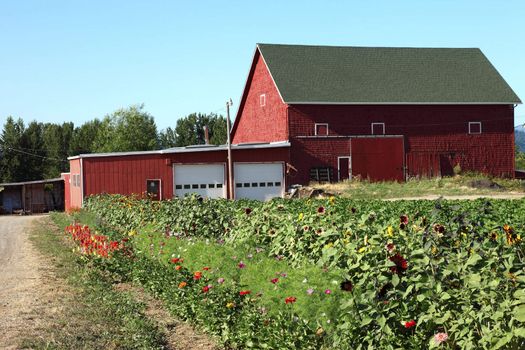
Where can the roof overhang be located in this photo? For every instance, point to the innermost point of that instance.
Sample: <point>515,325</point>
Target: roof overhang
<point>36,182</point>
<point>188,149</point>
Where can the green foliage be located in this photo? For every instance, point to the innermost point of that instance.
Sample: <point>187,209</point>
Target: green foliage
<point>167,138</point>
<point>454,267</point>
<point>127,129</point>
<point>190,129</point>
<point>520,160</point>
<point>11,162</point>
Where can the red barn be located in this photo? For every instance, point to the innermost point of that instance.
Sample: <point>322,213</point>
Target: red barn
<point>379,113</point>
<point>325,113</point>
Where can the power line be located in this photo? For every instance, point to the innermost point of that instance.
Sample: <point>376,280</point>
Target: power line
<point>34,155</point>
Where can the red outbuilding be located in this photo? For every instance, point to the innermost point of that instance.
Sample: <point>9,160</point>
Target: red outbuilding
<point>328,113</point>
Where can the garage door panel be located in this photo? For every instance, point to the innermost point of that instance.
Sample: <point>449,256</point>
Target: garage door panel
<point>206,180</point>
<point>261,181</point>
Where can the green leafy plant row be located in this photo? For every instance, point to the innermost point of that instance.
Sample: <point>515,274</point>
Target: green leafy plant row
<point>418,273</point>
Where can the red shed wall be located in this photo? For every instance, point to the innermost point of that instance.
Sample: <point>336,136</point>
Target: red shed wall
<point>75,191</point>
<point>67,191</point>
<point>126,174</point>
<point>256,123</point>
<point>435,135</point>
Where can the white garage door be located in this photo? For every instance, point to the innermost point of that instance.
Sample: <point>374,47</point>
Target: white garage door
<point>204,179</point>
<point>258,181</point>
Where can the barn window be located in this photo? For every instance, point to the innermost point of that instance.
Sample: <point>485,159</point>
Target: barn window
<point>474,127</point>
<point>378,128</point>
<point>262,100</point>
<point>321,129</point>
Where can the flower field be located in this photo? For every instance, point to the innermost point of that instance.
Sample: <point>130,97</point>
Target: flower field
<point>332,273</point>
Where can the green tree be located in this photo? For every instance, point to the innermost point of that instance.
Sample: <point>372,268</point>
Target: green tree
<point>127,129</point>
<point>167,138</point>
<point>83,138</point>
<point>57,140</point>
<point>190,129</point>
<point>12,159</point>
<point>35,158</point>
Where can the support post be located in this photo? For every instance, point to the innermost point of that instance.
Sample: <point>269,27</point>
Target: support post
<point>229,145</point>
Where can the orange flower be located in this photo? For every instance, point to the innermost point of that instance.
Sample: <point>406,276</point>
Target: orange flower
<point>178,267</point>
<point>197,275</point>
<point>182,284</point>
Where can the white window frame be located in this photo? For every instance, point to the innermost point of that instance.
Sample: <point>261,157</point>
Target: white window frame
<point>262,100</point>
<point>320,124</point>
<point>474,133</point>
<point>160,187</point>
<point>372,128</point>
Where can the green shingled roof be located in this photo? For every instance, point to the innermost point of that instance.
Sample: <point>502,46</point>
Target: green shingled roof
<point>337,74</point>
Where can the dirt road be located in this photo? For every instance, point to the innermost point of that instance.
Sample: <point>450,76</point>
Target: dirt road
<point>20,278</point>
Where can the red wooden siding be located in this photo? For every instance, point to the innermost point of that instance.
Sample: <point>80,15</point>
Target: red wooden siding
<point>308,153</point>
<point>436,136</point>
<point>75,191</point>
<point>256,123</point>
<point>378,158</point>
<point>126,174</point>
<point>67,191</point>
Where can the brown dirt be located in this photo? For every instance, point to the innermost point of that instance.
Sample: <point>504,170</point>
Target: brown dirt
<point>29,290</point>
<point>180,335</point>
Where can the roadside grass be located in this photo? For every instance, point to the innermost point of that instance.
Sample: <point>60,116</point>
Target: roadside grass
<point>455,185</point>
<point>93,315</point>
<point>256,273</point>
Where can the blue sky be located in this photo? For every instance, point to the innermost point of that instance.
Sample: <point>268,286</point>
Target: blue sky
<point>77,60</point>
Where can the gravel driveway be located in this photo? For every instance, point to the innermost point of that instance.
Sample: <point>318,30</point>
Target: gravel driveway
<point>20,278</point>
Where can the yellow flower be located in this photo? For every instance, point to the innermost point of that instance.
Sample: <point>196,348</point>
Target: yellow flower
<point>132,233</point>
<point>434,250</point>
<point>329,245</point>
<point>366,240</point>
<point>362,250</point>
<point>230,305</point>
<point>390,231</point>
<point>301,216</point>
<point>332,200</point>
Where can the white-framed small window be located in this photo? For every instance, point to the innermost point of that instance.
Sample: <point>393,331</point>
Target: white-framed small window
<point>474,127</point>
<point>377,128</point>
<point>321,129</point>
<point>262,100</point>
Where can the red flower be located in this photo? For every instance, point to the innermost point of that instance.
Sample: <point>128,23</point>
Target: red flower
<point>205,289</point>
<point>403,219</point>
<point>175,260</point>
<point>320,210</point>
<point>410,324</point>
<point>248,211</point>
<point>197,275</point>
<point>245,292</point>
<point>290,300</point>
<point>205,268</point>
<point>401,264</point>
<point>274,280</point>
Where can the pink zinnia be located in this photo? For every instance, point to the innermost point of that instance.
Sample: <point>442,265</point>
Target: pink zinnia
<point>440,338</point>
<point>242,265</point>
<point>328,291</point>
<point>220,280</point>
<point>274,280</point>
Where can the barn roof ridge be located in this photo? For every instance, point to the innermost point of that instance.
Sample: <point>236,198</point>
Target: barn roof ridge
<point>315,74</point>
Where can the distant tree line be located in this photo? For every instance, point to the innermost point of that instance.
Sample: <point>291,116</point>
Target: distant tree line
<point>40,150</point>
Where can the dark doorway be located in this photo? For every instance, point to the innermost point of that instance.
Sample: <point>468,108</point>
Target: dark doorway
<point>153,189</point>
<point>344,168</point>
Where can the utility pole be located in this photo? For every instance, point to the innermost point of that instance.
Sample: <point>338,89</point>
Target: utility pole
<point>229,144</point>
